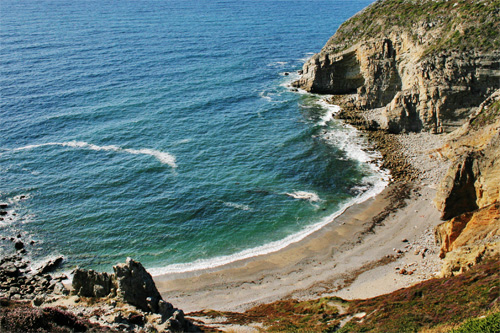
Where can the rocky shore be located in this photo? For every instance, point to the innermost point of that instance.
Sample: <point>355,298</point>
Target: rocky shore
<point>427,96</point>
<point>36,300</point>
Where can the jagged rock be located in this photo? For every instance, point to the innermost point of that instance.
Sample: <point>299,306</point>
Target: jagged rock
<point>465,257</point>
<point>50,265</point>
<point>131,283</point>
<point>473,180</point>
<point>90,283</point>
<point>39,299</point>
<point>469,228</point>
<point>134,284</point>
<point>10,269</point>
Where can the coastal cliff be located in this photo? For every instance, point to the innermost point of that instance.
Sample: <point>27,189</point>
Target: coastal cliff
<point>428,66</point>
<point>425,65</point>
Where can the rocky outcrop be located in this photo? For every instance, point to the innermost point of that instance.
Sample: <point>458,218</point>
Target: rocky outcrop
<point>90,283</point>
<point>469,228</point>
<point>132,284</point>
<point>136,286</point>
<point>18,282</point>
<point>403,69</point>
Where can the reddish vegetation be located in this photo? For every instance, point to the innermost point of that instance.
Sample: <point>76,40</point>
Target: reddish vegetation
<point>22,317</point>
<point>425,305</point>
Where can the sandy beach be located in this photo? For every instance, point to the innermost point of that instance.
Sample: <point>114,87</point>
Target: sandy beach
<point>360,254</point>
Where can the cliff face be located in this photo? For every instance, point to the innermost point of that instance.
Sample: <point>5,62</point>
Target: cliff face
<point>469,195</point>
<point>419,60</point>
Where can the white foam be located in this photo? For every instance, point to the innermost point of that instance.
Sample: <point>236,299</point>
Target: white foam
<point>237,206</point>
<point>346,138</point>
<point>278,64</point>
<point>163,157</point>
<point>265,95</point>
<point>331,110</point>
<point>203,264</point>
<point>303,195</point>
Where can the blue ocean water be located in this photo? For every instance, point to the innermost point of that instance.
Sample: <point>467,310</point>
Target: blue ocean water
<point>167,130</point>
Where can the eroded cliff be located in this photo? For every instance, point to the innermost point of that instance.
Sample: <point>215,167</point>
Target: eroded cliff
<point>469,195</point>
<point>428,64</point>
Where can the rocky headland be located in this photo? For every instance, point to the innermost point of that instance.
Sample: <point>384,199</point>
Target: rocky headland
<point>432,68</point>
<point>421,79</point>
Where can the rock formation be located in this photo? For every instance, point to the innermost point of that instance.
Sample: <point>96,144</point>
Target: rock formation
<point>132,284</point>
<point>402,57</point>
<point>469,195</point>
<point>422,65</point>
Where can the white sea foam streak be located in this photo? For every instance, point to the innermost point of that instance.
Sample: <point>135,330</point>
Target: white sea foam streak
<point>303,195</point>
<point>164,158</point>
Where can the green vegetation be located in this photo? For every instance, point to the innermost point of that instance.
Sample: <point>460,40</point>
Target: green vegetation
<point>431,305</point>
<point>438,24</point>
<point>488,324</point>
<point>488,116</point>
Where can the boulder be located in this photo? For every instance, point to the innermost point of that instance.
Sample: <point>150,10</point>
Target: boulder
<point>90,283</point>
<point>50,266</point>
<point>135,285</point>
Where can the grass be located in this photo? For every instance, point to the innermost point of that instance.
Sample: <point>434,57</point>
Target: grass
<point>457,24</point>
<point>488,116</point>
<point>487,324</point>
<point>457,302</point>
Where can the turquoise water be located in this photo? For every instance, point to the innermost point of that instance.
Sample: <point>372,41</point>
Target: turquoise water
<point>166,130</point>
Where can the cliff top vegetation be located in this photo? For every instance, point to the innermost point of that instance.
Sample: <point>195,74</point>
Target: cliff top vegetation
<point>438,25</point>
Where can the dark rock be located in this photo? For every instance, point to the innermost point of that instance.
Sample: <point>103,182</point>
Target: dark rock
<point>10,270</point>
<point>88,282</point>
<point>50,265</point>
<point>19,245</point>
<point>3,212</point>
<point>136,319</point>
<point>4,205</point>
<point>135,285</point>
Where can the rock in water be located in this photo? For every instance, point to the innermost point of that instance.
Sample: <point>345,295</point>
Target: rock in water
<point>50,265</point>
<point>134,284</point>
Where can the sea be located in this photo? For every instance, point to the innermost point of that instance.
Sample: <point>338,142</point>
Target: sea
<point>167,131</point>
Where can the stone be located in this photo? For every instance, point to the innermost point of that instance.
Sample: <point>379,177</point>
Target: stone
<point>10,269</point>
<point>134,285</point>
<point>165,309</point>
<point>85,281</point>
<point>38,300</point>
<point>4,205</point>
<point>59,289</point>
<point>19,245</point>
<point>50,265</point>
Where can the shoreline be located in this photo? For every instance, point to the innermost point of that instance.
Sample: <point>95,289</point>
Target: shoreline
<point>327,262</point>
